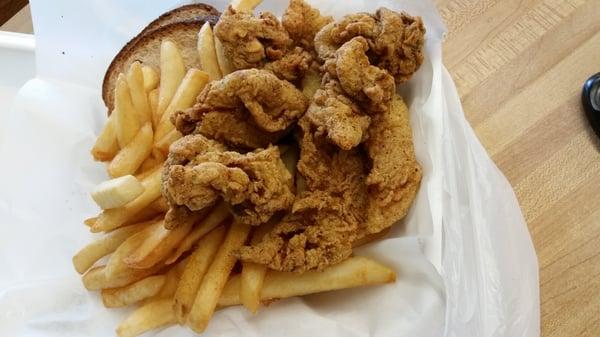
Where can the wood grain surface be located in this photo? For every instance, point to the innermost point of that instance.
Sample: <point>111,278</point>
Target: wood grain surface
<point>519,66</point>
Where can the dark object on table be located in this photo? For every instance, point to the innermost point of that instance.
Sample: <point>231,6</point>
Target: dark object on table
<point>590,98</point>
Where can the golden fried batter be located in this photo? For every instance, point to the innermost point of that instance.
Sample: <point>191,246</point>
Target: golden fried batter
<point>247,108</point>
<point>199,172</point>
<point>337,116</point>
<point>371,86</point>
<point>396,40</point>
<point>395,174</point>
<point>292,66</point>
<point>302,22</point>
<point>251,41</point>
<point>326,217</point>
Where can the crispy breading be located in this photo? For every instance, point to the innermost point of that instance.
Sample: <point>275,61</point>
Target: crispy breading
<point>302,22</point>
<point>246,109</point>
<point>335,115</point>
<point>326,217</point>
<point>395,174</point>
<point>251,41</point>
<point>370,86</point>
<point>396,40</point>
<point>199,171</point>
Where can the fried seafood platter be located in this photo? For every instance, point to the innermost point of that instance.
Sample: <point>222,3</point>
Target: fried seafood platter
<point>249,155</point>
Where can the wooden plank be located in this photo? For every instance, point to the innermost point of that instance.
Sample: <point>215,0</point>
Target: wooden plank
<point>8,8</point>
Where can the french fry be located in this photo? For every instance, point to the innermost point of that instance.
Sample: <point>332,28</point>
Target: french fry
<point>253,274</point>
<point>139,97</point>
<point>207,53</point>
<point>311,82</point>
<point>216,277</point>
<point>117,217</point>
<point>194,271</point>
<point>127,124</point>
<point>153,101</point>
<point>224,62</point>
<point>96,278</point>
<point>116,262</point>
<point>216,217</point>
<point>159,244</point>
<point>96,250</point>
<point>184,97</point>
<point>173,276</point>
<point>129,159</point>
<point>245,5</point>
<point>117,192</point>
<point>160,205</point>
<point>90,221</point>
<point>172,71</point>
<point>370,238</point>
<point>353,272</point>
<point>150,316</point>
<point>150,78</point>
<point>133,293</point>
<point>164,144</point>
<point>106,146</point>
<point>150,164</point>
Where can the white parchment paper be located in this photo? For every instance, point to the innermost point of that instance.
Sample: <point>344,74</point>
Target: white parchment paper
<point>465,262</point>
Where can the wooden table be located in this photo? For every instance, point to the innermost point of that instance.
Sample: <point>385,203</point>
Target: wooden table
<point>519,66</point>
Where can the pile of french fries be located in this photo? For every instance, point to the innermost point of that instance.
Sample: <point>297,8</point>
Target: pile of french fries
<point>180,275</point>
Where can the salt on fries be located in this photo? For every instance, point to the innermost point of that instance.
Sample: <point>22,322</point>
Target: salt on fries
<point>182,274</point>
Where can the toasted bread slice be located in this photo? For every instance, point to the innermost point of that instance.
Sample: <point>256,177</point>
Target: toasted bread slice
<point>180,25</point>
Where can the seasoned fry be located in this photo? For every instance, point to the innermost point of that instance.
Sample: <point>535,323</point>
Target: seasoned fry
<point>173,276</point>
<point>129,159</point>
<point>117,217</point>
<point>207,53</point>
<point>153,101</point>
<point>106,146</point>
<point>172,71</point>
<point>159,244</point>
<point>245,5</point>
<point>116,261</point>
<point>353,272</point>
<point>167,140</point>
<point>133,293</point>
<point>150,78</point>
<point>94,251</point>
<point>194,271</point>
<point>127,124</point>
<point>149,164</point>
<point>90,221</point>
<point>253,274</point>
<point>139,97</point>
<point>185,96</point>
<point>216,217</point>
<point>151,316</point>
<point>216,277</point>
<point>224,62</point>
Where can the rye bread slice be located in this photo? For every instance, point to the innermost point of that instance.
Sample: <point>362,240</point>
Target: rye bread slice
<point>180,25</point>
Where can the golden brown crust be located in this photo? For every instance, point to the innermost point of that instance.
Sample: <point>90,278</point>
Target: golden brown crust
<point>199,172</point>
